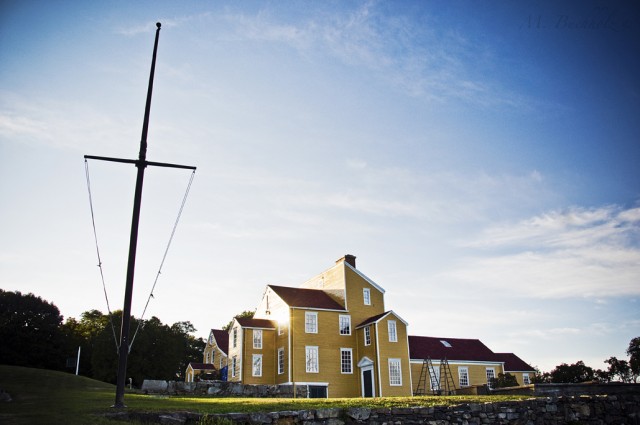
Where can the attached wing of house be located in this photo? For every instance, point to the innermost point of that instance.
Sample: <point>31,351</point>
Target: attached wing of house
<point>214,357</point>
<point>517,367</point>
<point>445,364</point>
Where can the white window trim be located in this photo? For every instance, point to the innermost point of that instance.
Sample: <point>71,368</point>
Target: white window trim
<point>234,363</point>
<point>393,336</point>
<point>366,296</point>
<point>253,365</point>
<point>235,337</point>
<point>525,379</point>
<point>350,351</point>
<point>308,349</point>
<point>348,318</point>
<point>257,339</point>
<point>367,335</point>
<point>313,314</point>
<point>493,371</point>
<point>463,370</point>
<point>280,357</point>
<point>399,363</point>
<point>280,329</point>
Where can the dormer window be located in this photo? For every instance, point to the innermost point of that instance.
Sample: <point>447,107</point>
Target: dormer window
<point>445,343</point>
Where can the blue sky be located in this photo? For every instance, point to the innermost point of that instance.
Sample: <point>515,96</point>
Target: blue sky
<point>479,159</point>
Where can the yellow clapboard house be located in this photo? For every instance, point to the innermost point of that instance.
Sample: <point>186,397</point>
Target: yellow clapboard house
<point>335,336</point>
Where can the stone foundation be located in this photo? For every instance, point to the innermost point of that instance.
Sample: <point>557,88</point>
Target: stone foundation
<point>222,389</point>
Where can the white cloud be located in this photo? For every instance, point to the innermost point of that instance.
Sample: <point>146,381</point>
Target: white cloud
<point>574,253</point>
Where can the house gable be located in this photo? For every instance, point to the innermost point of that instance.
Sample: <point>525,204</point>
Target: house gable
<point>219,338</point>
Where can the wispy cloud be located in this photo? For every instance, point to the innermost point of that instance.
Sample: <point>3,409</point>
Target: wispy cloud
<point>59,123</point>
<point>131,30</point>
<point>404,52</point>
<point>579,252</point>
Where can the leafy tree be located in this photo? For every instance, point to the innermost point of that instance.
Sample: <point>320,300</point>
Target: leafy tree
<point>603,375</point>
<point>634,358</point>
<point>574,373</point>
<point>504,380</point>
<point>83,333</point>
<point>246,313</point>
<point>191,347</point>
<point>540,377</point>
<point>619,368</point>
<point>158,351</point>
<point>30,332</point>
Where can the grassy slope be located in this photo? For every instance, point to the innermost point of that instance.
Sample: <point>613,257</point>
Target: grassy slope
<point>43,396</point>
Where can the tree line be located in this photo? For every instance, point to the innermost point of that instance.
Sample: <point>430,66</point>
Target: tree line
<point>618,370</point>
<point>627,371</point>
<point>33,334</point>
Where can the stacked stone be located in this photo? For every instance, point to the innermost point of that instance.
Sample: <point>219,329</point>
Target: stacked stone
<point>596,410</point>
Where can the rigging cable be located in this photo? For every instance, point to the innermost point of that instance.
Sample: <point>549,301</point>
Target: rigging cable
<point>164,257</point>
<point>95,236</point>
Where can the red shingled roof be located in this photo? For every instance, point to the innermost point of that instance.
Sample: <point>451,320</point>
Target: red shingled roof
<point>513,363</point>
<point>246,322</point>
<point>222,339</point>
<point>201,366</point>
<point>306,298</point>
<point>373,319</point>
<point>421,347</point>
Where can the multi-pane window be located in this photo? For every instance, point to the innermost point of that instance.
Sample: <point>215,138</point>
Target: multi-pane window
<point>213,357</point>
<point>435,379</point>
<point>311,322</point>
<point>257,365</point>
<point>234,363</point>
<point>366,294</point>
<point>525,379</point>
<point>257,339</point>
<point>393,334</point>
<point>312,359</point>
<point>207,358</point>
<point>395,372</point>
<point>345,325</point>
<point>280,360</point>
<point>280,329</point>
<point>463,374</point>
<point>235,337</point>
<point>367,335</point>
<point>491,374</point>
<point>346,364</point>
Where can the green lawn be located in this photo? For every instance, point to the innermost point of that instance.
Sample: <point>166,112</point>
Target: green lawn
<point>44,396</point>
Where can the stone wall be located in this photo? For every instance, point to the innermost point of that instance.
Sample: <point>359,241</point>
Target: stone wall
<point>600,410</point>
<point>586,388</point>
<point>221,389</point>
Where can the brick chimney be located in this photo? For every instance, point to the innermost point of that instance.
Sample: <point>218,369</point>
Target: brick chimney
<point>349,259</point>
